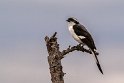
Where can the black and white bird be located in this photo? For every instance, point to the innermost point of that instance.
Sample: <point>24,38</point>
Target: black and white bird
<point>82,36</point>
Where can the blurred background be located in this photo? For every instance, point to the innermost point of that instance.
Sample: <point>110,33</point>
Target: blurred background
<point>25,23</point>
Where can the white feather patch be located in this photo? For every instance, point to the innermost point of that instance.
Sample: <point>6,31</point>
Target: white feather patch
<point>81,37</point>
<point>74,35</point>
<point>86,47</point>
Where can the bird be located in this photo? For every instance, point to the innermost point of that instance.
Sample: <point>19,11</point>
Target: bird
<point>83,37</point>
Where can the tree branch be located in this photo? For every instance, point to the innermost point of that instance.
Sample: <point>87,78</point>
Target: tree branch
<point>78,48</point>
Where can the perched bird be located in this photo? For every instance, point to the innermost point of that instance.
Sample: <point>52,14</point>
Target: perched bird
<point>82,36</point>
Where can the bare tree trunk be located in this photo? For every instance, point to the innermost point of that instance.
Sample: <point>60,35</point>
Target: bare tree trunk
<point>55,57</point>
<point>54,60</point>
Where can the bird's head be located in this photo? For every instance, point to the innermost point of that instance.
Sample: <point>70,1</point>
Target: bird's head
<point>72,20</point>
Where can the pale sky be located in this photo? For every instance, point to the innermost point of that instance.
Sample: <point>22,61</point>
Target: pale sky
<point>25,23</point>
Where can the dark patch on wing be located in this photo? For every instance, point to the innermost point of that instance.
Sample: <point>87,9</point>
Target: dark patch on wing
<point>80,30</point>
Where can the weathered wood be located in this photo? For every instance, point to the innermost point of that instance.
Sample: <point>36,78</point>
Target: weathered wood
<point>54,59</point>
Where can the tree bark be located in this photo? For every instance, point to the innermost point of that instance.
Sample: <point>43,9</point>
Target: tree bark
<point>55,57</point>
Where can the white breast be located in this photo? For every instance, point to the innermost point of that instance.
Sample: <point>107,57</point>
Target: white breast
<point>74,35</point>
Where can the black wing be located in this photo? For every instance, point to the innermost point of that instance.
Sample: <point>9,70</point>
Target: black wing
<point>80,30</point>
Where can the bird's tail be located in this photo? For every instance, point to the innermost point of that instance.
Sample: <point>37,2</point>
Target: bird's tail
<point>97,61</point>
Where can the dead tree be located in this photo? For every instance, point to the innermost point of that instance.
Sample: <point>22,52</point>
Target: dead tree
<point>55,57</point>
